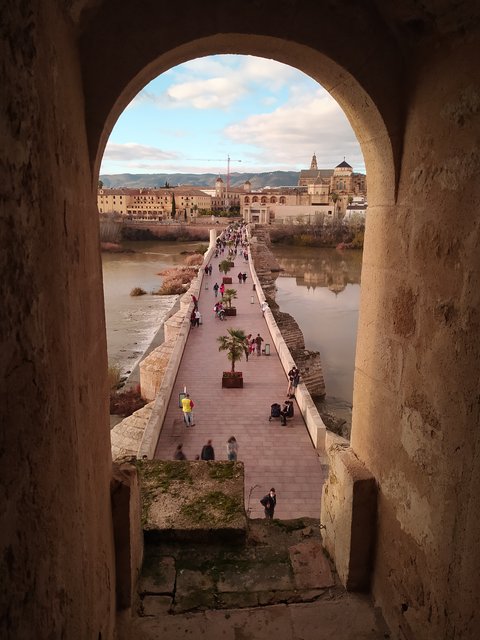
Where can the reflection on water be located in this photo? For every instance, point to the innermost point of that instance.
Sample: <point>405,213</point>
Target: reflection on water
<point>132,322</point>
<point>320,288</point>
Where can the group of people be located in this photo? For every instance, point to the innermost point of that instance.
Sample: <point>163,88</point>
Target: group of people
<point>208,452</point>
<point>217,288</point>
<point>252,345</point>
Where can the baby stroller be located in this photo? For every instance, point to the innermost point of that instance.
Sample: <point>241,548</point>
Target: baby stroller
<point>275,411</point>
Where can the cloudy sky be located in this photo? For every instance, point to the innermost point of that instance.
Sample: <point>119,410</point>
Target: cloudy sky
<point>264,115</point>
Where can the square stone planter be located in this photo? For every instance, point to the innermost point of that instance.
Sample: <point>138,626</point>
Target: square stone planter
<point>230,311</point>
<point>232,381</point>
<point>227,280</point>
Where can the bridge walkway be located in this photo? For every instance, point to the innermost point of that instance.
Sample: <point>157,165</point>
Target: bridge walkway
<point>274,456</point>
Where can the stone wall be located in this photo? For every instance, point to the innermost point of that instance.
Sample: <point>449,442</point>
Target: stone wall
<point>309,362</point>
<point>416,405</point>
<point>57,555</point>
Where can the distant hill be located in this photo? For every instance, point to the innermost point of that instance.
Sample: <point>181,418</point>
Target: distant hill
<point>150,180</point>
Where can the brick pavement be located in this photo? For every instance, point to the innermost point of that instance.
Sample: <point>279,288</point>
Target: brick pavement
<point>282,457</point>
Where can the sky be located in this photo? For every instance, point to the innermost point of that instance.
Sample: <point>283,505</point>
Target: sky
<point>262,114</point>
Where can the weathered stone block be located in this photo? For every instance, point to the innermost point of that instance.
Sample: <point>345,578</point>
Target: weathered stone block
<point>125,498</point>
<point>349,516</point>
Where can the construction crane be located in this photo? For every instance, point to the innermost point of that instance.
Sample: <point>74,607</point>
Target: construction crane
<point>220,160</point>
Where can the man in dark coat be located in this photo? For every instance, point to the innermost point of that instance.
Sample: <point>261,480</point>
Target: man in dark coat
<point>269,502</point>
<point>207,451</point>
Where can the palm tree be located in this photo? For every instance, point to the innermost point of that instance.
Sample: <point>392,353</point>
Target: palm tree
<point>228,296</point>
<point>224,266</point>
<point>234,345</point>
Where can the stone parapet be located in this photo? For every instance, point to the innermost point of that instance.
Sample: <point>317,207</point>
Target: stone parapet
<point>313,421</point>
<point>348,514</point>
<point>179,329</point>
<point>152,369</point>
<point>127,531</point>
<point>126,436</point>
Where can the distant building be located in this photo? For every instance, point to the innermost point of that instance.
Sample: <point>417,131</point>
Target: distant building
<point>153,204</point>
<point>321,194</point>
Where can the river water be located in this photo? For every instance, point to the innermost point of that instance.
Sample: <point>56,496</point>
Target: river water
<point>320,288</point>
<point>132,322</point>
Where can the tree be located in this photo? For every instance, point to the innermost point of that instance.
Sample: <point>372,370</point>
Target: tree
<point>225,266</point>
<point>100,184</point>
<point>234,345</point>
<point>174,207</point>
<point>228,296</point>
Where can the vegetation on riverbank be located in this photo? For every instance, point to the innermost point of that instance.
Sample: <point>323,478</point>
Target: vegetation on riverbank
<point>336,234</point>
<point>176,280</point>
<point>178,233</point>
<point>126,402</point>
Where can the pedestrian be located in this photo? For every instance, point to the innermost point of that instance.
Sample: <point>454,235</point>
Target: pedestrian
<point>253,345</point>
<point>206,270</point>
<point>222,289</point>
<point>187,408</point>
<point>215,289</point>
<point>198,317</point>
<point>269,503</point>
<point>210,269</point>
<point>258,342</point>
<point>264,306</point>
<point>192,318</point>
<point>244,278</point>
<point>232,448</point>
<point>207,451</point>
<point>195,301</point>
<point>179,455</point>
<point>293,380</point>
<point>240,278</point>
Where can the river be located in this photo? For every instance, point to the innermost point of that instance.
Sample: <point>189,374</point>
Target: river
<point>320,288</point>
<point>132,322</point>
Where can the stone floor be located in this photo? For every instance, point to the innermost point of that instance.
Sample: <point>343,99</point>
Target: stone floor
<point>278,585</point>
<point>274,456</point>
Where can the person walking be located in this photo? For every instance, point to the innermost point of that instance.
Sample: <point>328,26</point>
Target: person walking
<point>232,448</point>
<point>258,342</point>
<point>215,289</point>
<point>240,278</point>
<point>222,289</point>
<point>293,380</point>
<point>187,408</point>
<point>198,317</point>
<point>207,451</point>
<point>269,503</point>
<point>244,277</point>
<point>291,375</point>
<point>179,455</point>
<point>195,301</point>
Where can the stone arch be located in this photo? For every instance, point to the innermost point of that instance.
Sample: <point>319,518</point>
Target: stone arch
<point>366,94</point>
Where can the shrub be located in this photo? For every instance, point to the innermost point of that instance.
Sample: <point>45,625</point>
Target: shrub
<point>114,375</point>
<point>137,291</point>
<point>195,259</point>
<point>126,402</point>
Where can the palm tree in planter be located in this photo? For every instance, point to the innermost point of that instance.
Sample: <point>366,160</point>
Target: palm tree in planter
<point>234,345</point>
<point>225,267</point>
<point>228,296</point>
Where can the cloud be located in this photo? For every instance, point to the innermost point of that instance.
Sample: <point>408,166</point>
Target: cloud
<point>219,82</point>
<point>134,152</point>
<point>214,93</point>
<point>294,131</point>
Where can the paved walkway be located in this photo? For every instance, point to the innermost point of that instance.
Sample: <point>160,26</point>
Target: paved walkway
<point>274,456</point>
